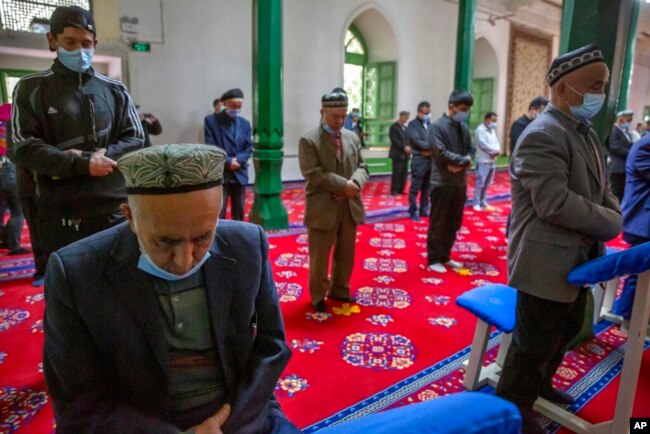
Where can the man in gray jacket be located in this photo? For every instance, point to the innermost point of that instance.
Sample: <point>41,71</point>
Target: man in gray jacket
<point>562,212</point>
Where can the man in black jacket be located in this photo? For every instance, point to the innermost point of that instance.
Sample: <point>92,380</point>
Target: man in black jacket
<point>400,152</point>
<point>69,126</point>
<point>451,142</point>
<point>619,144</point>
<point>417,133</point>
<point>535,107</point>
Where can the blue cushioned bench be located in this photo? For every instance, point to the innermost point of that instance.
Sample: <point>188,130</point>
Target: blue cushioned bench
<point>493,305</point>
<point>604,296</point>
<point>460,413</point>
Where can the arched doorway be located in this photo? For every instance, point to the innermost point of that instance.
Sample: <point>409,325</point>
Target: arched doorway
<point>370,79</point>
<point>356,59</point>
<point>484,83</point>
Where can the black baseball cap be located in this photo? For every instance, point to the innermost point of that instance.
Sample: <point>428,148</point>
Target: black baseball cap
<point>71,16</point>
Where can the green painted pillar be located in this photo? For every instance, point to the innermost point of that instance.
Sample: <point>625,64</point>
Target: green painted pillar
<point>628,65</point>
<point>606,23</point>
<point>465,45</point>
<point>268,209</point>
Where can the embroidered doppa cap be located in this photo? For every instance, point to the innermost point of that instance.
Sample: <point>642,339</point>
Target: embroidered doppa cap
<point>168,169</point>
<point>569,62</point>
<point>71,16</point>
<point>232,93</point>
<point>334,99</point>
<point>625,113</point>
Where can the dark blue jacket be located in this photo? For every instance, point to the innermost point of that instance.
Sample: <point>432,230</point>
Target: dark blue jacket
<point>218,131</point>
<point>636,200</point>
<point>105,354</point>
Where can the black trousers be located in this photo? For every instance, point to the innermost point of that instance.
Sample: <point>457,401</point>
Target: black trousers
<point>14,228</point>
<point>446,217</point>
<point>31,215</point>
<point>542,333</point>
<point>237,195</point>
<point>617,182</point>
<point>398,177</point>
<point>56,232</point>
<point>420,183</point>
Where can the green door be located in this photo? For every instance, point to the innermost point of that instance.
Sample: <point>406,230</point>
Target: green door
<point>379,101</point>
<point>483,93</point>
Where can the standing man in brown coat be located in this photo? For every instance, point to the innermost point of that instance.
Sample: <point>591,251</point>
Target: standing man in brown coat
<point>331,162</point>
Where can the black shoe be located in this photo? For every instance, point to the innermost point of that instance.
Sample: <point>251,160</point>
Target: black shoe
<point>19,251</point>
<point>320,306</point>
<point>415,217</point>
<point>348,299</point>
<point>555,395</point>
<point>528,423</point>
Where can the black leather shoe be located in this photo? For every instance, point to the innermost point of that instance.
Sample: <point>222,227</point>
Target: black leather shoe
<point>528,423</point>
<point>348,299</point>
<point>555,395</point>
<point>320,306</point>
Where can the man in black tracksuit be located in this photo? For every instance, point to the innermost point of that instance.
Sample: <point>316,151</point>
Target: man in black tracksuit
<point>69,126</point>
<point>451,143</point>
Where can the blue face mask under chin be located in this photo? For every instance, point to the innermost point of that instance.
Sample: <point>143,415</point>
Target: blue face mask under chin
<point>233,113</point>
<point>78,60</point>
<point>147,265</point>
<point>591,105</point>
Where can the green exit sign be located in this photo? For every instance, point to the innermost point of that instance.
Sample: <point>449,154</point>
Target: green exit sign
<point>142,47</point>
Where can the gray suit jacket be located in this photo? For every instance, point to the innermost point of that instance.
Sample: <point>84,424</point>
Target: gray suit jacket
<point>326,176</point>
<point>562,209</point>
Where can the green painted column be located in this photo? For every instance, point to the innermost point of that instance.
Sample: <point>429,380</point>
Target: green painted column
<point>628,65</point>
<point>606,23</point>
<point>268,209</point>
<point>465,44</point>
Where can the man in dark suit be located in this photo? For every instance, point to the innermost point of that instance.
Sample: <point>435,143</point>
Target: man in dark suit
<point>535,107</point>
<point>399,152</point>
<point>232,133</point>
<point>332,164</point>
<point>418,137</point>
<point>619,143</point>
<point>170,322</point>
<point>636,214</point>
<point>562,213</point>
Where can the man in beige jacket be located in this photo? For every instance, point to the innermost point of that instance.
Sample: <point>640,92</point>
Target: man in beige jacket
<point>331,162</point>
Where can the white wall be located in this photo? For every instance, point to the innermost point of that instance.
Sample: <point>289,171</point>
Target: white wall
<point>314,30</point>
<point>207,50</point>
<point>498,37</point>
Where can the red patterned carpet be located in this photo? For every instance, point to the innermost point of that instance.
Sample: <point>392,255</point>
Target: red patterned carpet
<point>401,343</point>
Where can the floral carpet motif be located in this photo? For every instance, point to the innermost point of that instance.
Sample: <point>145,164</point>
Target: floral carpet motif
<point>403,341</point>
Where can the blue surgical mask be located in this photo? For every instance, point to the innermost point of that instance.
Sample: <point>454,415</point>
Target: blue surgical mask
<point>233,113</point>
<point>493,125</point>
<point>427,118</point>
<point>459,116</point>
<point>591,105</point>
<point>625,126</point>
<point>328,130</point>
<point>78,60</point>
<point>146,264</point>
